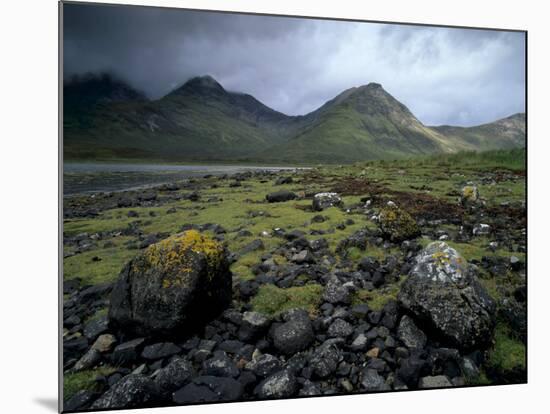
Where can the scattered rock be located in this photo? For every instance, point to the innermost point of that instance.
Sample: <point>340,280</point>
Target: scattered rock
<point>410,334</point>
<point>172,287</point>
<point>396,224</point>
<point>481,229</point>
<point>322,201</point>
<point>220,366</point>
<point>339,329</point>
<point>254,324</point>
<point>132,391</point>
<point>279,385</point>
<point>174,375</point>
<point>283,180</point>
<point>160,350</point>
<point>264,365</point>
<point>127,352</point>
<point>335,292</point>
<point>305,256</point>
<point>325,360</point>
<point>104,343</point>
<point>438,381</point>
<point>280,196</point>
<point>295,335</point>
<point>89,360</point>
<point>371,380</point>
<point>209,389</point>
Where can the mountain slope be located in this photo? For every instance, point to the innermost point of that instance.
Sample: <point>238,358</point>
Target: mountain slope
<point>200,120</point>
<point>502,134</point>
<point>105,118</point>
<point>362,123</point>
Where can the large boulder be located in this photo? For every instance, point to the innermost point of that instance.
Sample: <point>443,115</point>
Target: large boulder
<point>443,294</point>
<point>172,287</point>
<point>280,196</point>
<point>396,224</point>
<point>325,200</point>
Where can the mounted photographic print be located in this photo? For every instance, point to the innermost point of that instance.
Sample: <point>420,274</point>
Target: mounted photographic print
<point>270,207</point>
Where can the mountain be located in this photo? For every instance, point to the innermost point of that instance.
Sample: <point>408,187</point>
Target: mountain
<point>505,133</point>
<point>361,123</point>
<point>105,118</point>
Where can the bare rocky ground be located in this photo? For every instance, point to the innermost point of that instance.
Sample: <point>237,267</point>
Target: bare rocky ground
<point>365,278</point>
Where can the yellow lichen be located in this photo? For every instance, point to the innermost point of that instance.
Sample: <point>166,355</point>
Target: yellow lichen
<point>441,258</point>
<point>171,256</point>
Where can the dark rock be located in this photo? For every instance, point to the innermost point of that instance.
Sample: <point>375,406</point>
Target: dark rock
<point>80,401</point>
<point>127,352</point>
<point>325,360</point>
<point>283,180</point>
<point>335,292</point>
<point>264,365</point>
<point>410,370</point>
<point>443,291</point>
<point>295,335</point>
<point>309,389</point>
<point>360,311</point>
<point>209,389</point>
<point>232,346</point>
<point>371,380</point>
<point>96,327</point>
<point>410,334</point>
<point>318,244</point>
<point>340,328</point>
<point>94,293</point>
<point>368,264</point>
<point>89,360</point>
<point>160,350</point>
<point>70,286</point>
<point>220,366</point>
<point>254,325</point>
<point>305,256</point>
<point>318,219</point>
<point>322,201</point>
<point>174,375</point>
<point>252,246</point>
<point>132,391</point>
<point>172,287</point>
<point>279,385</point>
<point>280,196</point>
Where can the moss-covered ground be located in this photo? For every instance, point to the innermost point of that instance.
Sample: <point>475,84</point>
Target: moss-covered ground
<point>435,181</point>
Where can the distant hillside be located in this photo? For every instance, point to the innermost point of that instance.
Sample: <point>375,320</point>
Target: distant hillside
<point>105,118</point>
<point>504,133</point>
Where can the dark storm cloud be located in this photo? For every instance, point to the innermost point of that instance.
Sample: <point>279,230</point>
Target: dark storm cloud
<point>445,76</point>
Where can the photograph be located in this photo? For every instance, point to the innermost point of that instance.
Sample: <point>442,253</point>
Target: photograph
<point>261,206</point>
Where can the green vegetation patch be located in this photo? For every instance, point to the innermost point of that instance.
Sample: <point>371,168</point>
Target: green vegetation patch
<point>377,299</point>
<point>508,354</point>
<point>272,300</point>
<point>84,380</point>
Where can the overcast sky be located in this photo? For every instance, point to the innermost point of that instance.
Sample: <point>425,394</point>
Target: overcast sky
<point>445,76</point>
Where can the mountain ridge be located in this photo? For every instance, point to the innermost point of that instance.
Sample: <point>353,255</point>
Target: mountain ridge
<point>201,120</point>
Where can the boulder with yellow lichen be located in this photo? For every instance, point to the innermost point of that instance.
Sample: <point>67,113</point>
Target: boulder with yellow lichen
<point>172,287</point>
<point>396,224</point>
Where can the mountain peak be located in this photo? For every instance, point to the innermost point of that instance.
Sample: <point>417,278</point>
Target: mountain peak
<point>205,81</point>
<point>374,85</point>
